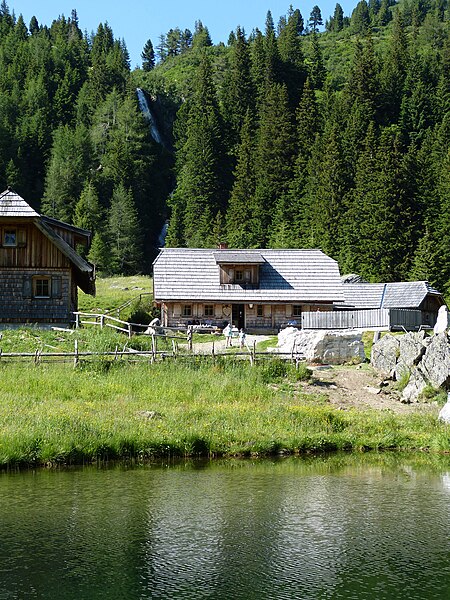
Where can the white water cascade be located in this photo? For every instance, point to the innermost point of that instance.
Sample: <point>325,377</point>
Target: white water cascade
<point>146,111</point>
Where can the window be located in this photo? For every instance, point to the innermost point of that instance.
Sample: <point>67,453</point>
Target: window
<point>296,310</point>
<point>187,310</point>
<point>41,287</point>
<point>259,310</point>
<point>209,310</point>
<point>10,237</point>
<point>239,275</point>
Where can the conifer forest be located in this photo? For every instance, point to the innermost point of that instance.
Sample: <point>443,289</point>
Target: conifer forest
<point>322,131</point>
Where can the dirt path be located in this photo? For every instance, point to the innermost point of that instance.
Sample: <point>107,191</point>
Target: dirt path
<point>359,386</point>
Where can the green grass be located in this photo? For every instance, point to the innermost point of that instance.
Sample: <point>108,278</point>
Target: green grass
<point>52,414</point>
<point>270,343</point>
<point>112,292</point>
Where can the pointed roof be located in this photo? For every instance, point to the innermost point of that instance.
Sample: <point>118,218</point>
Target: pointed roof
<point>12,205</point>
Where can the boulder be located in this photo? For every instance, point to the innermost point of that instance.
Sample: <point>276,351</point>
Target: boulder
<point>444,414</point>
<point>435,364</point>
<point>416,384</point>
<point>332,347</point>
<point>442,320</point>
<point>385,354</point>
<point>412,347</point>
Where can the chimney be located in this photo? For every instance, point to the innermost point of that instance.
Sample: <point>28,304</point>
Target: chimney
<point>223,246</point>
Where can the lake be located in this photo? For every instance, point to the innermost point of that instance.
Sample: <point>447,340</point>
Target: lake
<point>350,526</point>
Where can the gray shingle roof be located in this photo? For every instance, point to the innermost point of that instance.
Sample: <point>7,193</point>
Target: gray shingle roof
<point>286,275</point>
<point>12,205</point>
<point>408,294</point>
<point>231,257</point>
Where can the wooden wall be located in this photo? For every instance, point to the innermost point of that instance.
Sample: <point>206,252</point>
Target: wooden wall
<point>38,251</point>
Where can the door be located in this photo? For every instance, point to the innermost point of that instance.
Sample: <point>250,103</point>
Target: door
<point>238,316</point>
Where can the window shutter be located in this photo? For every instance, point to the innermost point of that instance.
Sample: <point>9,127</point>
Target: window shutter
<point>288,310</point>
<point>56,287</point>
<point>27,287</point>
<point>21,237</point>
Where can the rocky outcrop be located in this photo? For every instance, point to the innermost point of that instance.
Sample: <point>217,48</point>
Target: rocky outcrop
<point>385,354</point>
<point>424,360</point>
<point>412,347</point>
<point>331,347</point>
<point>435,364</point>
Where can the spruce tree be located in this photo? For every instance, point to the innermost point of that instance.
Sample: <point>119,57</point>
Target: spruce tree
<point>124,233</point>
<point>274,156</point>
<point>200,190</point>
<point>148,56</point>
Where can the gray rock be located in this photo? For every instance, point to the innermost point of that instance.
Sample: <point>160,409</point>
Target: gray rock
<point>385,354</point>
<point>332,347</point>
<point>416,384</point>
<point>435,364</point>
<point>442,321</point>
<point>412,347</point>
<point>444,414</point>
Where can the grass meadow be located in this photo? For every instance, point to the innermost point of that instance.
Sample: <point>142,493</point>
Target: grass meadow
<point>52,414</point>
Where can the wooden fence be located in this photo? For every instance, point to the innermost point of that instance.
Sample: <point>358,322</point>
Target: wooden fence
<point>381,318</point>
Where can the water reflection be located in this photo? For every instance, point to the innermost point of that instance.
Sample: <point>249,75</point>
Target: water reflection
<point>331,527</point>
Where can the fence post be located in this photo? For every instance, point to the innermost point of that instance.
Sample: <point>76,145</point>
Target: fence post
<point>153,348</point>
<point>75,358</point>
<point>129,330</point>
<point>102,321</point>
<point>77,320</point>
<point>254,351</point>
<point>174,349</point>
<point>189,338</point>
<point>212,350</point>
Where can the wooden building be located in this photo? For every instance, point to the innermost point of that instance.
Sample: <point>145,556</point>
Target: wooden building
<point>417,296</point>
<point>40,270</point>
<point>255,289</point>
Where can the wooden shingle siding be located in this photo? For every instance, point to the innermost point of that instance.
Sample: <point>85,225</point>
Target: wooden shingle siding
<point>17,304</point>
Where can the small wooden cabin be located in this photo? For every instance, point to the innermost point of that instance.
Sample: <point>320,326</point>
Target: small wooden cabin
<point>40,270</point>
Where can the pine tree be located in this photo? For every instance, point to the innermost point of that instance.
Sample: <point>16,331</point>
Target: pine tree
<point>394,71</point>
<point>124,234</point>
<point>69,165</point>
<point>291,53</point>
<point>200,191</point>
<point>148,56</point>
<point>317,71</point>
<point>241,227</point>
<point>315,18</point>
<point>274,156</point>
<point>239,92</point>
<point>88,212</point>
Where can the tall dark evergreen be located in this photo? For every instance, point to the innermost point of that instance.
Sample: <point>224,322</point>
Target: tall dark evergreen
<point>199,195</point>
<point>148,56</point>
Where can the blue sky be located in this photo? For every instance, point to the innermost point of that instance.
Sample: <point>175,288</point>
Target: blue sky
<point>138,20</point>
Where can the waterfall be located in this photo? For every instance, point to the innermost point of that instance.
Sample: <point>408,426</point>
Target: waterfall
<point>146,111</point>
<point>162,235</point>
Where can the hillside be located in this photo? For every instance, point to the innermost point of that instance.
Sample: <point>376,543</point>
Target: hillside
<point>290,137</point>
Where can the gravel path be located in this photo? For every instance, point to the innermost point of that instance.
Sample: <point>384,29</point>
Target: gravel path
<point>220,343</point>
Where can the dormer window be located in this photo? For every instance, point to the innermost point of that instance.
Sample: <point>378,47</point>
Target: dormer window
<point>238,275</point>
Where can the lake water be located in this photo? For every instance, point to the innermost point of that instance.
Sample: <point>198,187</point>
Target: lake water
<point>352,526</point>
